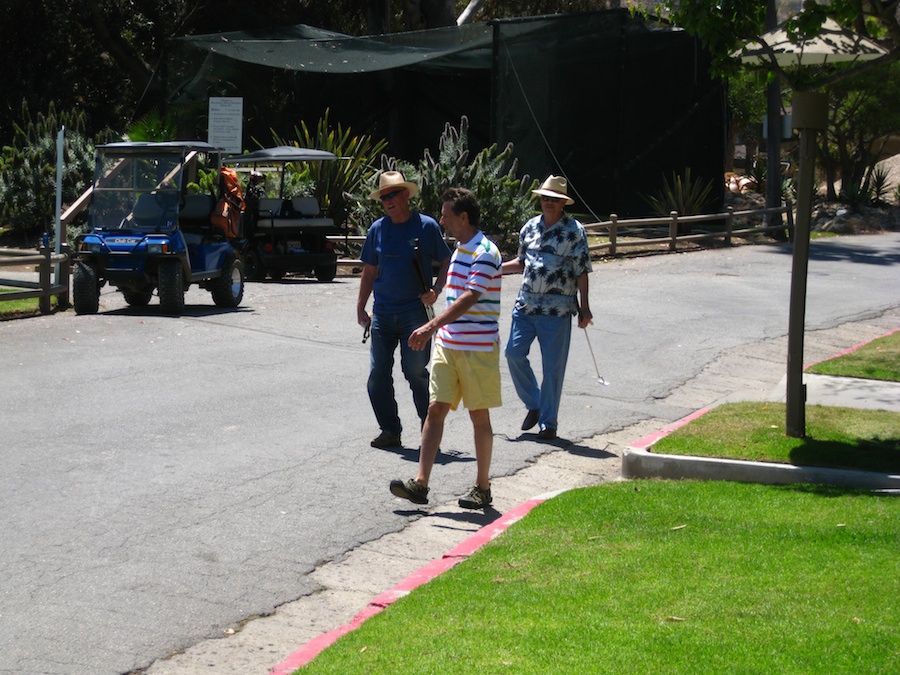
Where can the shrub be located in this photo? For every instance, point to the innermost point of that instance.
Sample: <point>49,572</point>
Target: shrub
<point>878,185</point>
<point>154,127</point>
<point>758,172</point>
<point>854,194</point>
<point>506,201</point>
<point>333,181</point>
<point>28,169</point>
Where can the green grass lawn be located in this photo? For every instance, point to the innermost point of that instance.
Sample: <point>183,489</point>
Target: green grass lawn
<point>658,577</point>
<point>877,360</point>
<point>678,577</point>
<point>840,438</point>
<point>17,309</point>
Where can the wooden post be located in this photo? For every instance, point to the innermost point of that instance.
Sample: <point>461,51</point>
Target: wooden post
<point>810,116</point>
<point>613,229</point>
<point>789,211</point>
<point>44,271</point>
<point>729,225</point>
<point>65,274</point>
<point>673,230</point>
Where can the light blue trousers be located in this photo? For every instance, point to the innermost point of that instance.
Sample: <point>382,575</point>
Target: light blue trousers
<point>553,334</point>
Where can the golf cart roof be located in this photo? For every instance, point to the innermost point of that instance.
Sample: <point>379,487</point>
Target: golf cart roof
<point>128,147</point>
<point>281,153</point>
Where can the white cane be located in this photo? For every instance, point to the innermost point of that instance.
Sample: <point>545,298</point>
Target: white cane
<point>600,378</point>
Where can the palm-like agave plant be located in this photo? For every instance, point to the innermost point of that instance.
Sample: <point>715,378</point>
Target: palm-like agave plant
<point>685,195</point>
<point>153,127</point>
<point>335,179</point>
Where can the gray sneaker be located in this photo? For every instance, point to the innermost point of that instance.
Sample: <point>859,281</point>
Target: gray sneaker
<point>411,490</point>
<point>476,498</point>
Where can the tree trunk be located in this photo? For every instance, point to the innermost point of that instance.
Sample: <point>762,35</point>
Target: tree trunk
<point>377,14</point>
<point>425,14</point>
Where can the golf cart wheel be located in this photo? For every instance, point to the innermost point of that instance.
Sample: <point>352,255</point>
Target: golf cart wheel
<point>138,298</point>
<point>171,287</point>
<point>228,289</point>
<point>85,288</point>
<point>326,272</point>
<point>253,267</point>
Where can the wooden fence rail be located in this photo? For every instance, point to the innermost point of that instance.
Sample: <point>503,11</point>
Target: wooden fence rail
<point>613,226</point>
<point>45,261</point>
<point>672,222</point>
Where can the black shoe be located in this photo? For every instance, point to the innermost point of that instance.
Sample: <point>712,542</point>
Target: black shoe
<point>531,419</point>
<point>386,440</point>
<point>411,490</point>
<point>476,498</point>
<point>546,434</point>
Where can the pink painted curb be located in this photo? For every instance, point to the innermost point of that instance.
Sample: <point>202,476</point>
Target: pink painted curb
<point>650,439</point>
<point>423,575</point>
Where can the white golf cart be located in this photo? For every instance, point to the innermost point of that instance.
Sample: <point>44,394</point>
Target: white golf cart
<point>283,234</point>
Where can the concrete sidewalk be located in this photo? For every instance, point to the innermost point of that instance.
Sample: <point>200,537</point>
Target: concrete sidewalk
<point>847,392</point>
<point>354,587</point>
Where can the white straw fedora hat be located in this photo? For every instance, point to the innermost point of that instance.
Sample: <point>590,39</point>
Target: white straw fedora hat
<point>393,180</point>
<point>555,186</point>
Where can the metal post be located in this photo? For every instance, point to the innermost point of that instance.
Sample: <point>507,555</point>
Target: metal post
<point>773,138</point>
<point>57,248</point>
<point>810,110</point>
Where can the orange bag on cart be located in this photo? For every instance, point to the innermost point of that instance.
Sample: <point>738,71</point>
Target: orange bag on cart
<point>227,213</point>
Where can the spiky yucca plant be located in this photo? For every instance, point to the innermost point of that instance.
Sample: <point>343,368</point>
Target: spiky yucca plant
<point>685,195</point>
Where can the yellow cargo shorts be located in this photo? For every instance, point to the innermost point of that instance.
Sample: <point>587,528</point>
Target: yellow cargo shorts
<point>470,377</point>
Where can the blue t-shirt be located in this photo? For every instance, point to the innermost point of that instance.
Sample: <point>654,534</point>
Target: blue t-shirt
<point>389,246</point>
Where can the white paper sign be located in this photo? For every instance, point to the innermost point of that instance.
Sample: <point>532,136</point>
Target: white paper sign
<point>226,123</point>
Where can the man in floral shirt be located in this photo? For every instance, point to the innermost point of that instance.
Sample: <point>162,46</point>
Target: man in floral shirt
<point>555,261</point>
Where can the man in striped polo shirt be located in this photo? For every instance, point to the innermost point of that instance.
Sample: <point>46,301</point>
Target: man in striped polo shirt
<point>466,362</point>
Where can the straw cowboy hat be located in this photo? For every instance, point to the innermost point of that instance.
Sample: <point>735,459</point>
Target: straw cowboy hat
<point>393,180</point>
<point>555,186</point>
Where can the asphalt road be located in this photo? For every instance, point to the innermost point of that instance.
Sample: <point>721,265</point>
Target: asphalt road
<point>164,478</point>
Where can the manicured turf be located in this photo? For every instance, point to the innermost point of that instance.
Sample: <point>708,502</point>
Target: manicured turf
<point>658,577</point>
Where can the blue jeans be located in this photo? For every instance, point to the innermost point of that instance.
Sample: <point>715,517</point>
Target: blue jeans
<point>553,334</point>
<point>389,330</point>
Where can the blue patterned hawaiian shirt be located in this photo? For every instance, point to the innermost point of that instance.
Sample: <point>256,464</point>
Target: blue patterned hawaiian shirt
<point>554,258</point>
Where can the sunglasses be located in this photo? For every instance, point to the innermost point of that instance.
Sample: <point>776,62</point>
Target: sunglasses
<point>391,195</point>
<point>545,198</point>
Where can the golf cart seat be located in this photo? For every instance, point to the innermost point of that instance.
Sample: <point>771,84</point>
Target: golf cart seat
<point>193,217</point>
<point>296,213</point>
<point>147,210</point>
<point>269,207</point>
<point>308,208</point>
<point>197,207</point>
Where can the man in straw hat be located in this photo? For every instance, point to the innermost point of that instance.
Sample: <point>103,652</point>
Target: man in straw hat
<point>555,261</point>
<point>466,364</point>
<point>395,244</point>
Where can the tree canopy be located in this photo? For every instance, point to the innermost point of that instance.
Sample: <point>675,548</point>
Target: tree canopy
<point>738,22</point>
<point>101,57</point>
